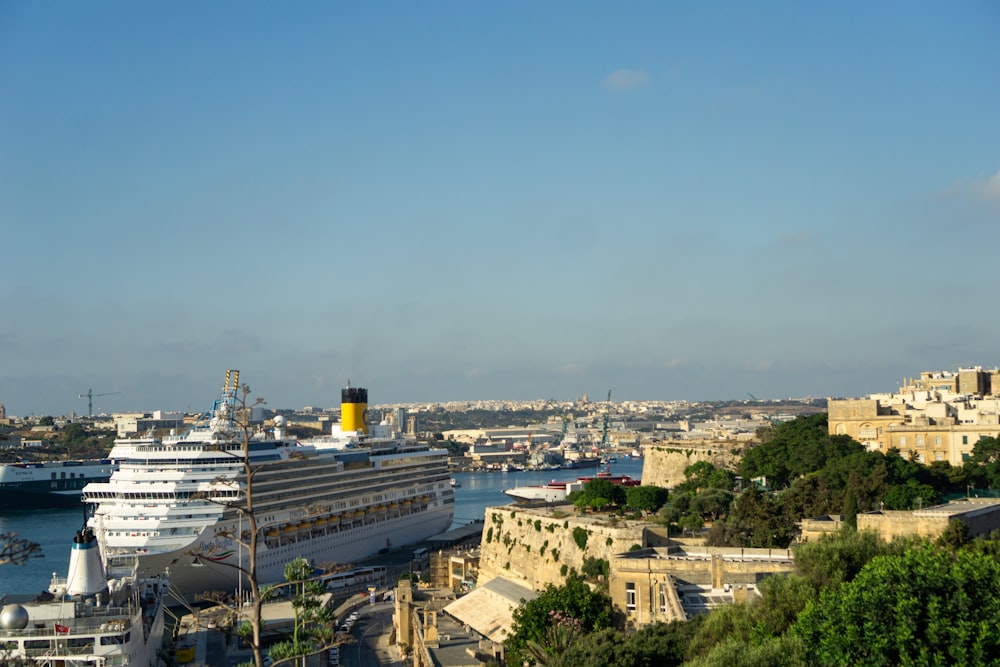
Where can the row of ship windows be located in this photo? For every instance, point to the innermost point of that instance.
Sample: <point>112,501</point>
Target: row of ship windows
<point>414,472</point>
<point>157,495</point>
<point>334,485</point>
<point>387,481</point>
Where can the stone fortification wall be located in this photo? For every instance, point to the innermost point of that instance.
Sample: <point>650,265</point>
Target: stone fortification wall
<point>539,546</point>
<point>664,463</point>
<point>890,524</point>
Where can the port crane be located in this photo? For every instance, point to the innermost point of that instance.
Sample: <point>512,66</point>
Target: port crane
<point>604,427</point>
<point>90,399</point>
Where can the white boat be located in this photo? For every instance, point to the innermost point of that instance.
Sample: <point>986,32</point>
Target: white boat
<point>556,491</point>
<point>552,492</point>
<point>176,501</point>
<point>95,616</point>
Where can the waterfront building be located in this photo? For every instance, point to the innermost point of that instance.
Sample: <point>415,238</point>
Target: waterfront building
<point>938,417</point>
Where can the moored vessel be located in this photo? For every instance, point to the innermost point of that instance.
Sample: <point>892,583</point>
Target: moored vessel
<point>178,502</point>
<point>45,484</point>
<point>100,614</point>
<point>556,491</point>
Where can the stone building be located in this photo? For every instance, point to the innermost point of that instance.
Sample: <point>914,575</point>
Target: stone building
<point>432,636</point>
<point>675,583</point>
<point>939,417</point>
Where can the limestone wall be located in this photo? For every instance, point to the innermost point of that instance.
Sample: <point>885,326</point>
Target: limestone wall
<point>538,547</point>
<point>664,463</point>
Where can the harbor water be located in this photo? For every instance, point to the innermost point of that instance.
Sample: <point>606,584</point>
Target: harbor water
<point>54,529</point>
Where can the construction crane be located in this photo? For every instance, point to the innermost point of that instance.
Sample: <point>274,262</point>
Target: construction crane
<point>604,428</point>
<point>90,399</point>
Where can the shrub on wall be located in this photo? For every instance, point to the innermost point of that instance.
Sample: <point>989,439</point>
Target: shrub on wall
<point>580,537</point>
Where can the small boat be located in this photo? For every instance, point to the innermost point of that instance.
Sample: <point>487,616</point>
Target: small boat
<point>455,483</point>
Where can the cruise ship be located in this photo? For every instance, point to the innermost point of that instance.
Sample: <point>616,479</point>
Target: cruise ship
<point>45,484</point>
<point>179,502</point>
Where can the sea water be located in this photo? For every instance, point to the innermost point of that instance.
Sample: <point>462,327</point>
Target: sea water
<point>53,530</point>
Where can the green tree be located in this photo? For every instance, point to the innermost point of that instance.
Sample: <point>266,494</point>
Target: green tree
<point>753,624</point>
<point>795,448</point>
<point>532,620</point>
<point>837,558</point>
<point>756,520</point>
<point>955,535</point>
<point>924,606</point>
<point>712,503</point>
<point>850,509</point>
<point>983,467</point>
<point>593,568</point>
<point>781,651</point>
<point>646,498</point>
<point>312,625</point>
<point>657,645</point>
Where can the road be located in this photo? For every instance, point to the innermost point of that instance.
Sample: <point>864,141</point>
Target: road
<point>371,638</point>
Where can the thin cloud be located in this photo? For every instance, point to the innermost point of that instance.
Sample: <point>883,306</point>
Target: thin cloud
<point>626,79</point>
<point>987,189</point>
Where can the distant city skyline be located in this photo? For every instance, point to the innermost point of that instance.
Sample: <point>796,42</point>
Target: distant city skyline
<point>459,201</point>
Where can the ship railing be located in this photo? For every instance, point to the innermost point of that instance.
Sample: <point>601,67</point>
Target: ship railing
<point>111,620</point>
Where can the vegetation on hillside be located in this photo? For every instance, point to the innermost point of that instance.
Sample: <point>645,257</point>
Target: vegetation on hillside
<point>855,600</point>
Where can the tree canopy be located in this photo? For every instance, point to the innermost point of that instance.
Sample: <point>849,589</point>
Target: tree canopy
<point>925,606</point>
<point>573,602</point>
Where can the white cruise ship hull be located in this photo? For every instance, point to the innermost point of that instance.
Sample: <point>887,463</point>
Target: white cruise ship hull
<point>192,574</point>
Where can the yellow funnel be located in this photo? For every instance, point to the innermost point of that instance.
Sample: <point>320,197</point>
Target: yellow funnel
<point>354,409</point>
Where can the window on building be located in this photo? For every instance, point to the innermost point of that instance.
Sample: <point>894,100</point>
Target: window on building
<point>663,598</point>
<point>939,456</point>
<point>920,441</point>
<point>965,439</point>
<point>937,440</point>
<point>630,597</point>
<point>902,441</point>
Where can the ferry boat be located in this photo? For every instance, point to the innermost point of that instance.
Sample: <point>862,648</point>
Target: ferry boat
<point>94,616</point>
<point>177,502</point>
<point>556,491</point>
<point>37,485</point>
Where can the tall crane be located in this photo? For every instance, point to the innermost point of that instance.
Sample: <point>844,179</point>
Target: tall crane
<point>604,428</point>
<point>90,399</point>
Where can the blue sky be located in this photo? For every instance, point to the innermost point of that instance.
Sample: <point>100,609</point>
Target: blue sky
<point>518,200</point>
